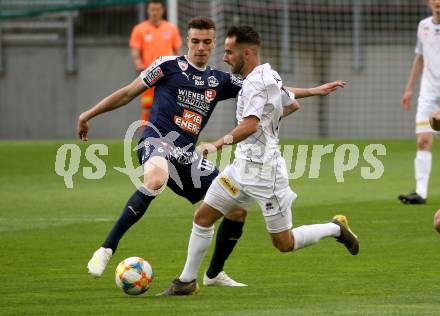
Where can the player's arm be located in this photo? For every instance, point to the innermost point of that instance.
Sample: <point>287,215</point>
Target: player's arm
<point>289,109</point>
<point>117,99</point>
<point>414,76</point>
<point>136,57</point>
<point>243,130</point>
<point>322,90</point>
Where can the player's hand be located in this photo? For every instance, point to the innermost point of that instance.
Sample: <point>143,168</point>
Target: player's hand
<point>206,148</point>
<point>406,100</point>
<point>327,88</point>
<point>434,120</point>
<point>82,128</point>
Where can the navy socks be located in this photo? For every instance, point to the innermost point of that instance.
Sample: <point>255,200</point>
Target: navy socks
<point>133,211</point>
<point>227,237</point>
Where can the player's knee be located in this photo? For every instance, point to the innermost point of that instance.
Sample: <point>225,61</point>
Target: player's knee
<point>437,221</point>
<point>198,218</point>
<point>237,215</point>
<point>154,182</point>
<point>424,142</point>
<point>202,218</point>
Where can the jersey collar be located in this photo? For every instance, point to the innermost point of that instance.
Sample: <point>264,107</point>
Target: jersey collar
<point>189,62</point>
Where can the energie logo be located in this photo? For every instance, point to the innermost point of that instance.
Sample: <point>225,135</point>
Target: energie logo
<point>189,121</point>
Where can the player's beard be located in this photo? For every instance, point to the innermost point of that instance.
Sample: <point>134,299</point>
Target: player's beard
<point>239,66</point>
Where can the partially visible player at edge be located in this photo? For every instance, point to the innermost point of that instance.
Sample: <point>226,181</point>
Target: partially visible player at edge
<point>435,125</point>
<point>426,64</point>
<point>258,173</point>
<point>150,40</point>
<point>187,90</point>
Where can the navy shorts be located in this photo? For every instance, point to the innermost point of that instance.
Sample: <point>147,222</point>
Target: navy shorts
<point>190,173</point>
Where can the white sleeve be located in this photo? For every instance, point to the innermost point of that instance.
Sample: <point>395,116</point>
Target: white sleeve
<point>287,97</point>
<point>255,98</point>
<point>419,45</point>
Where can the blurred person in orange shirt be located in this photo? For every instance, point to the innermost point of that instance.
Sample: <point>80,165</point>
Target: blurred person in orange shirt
<point>150,40</point>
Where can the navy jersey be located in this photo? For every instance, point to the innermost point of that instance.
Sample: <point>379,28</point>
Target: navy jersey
<point>185,97</point>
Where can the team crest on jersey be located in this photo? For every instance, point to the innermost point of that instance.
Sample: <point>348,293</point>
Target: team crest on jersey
<point>148,37</point>
<point>212,82</point>
<point>153,75</point>
<point>182,64</point>
<point>210,95</point>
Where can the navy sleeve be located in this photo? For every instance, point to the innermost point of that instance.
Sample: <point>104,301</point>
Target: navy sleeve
<point>230,85</point>
<point>158,70</point>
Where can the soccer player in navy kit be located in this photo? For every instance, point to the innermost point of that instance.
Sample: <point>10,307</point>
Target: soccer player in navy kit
<point>187,91</point>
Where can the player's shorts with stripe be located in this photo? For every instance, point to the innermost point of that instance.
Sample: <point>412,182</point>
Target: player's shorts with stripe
<point>244,182</point>
<point>425,107</point>
<point>190,173</point>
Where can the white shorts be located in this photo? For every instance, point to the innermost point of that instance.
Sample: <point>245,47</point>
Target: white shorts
<point>244,182</point>
<point>424,109</point>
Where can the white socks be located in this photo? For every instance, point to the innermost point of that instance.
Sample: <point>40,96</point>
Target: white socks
<point>198,245</point>
<point>307,235</point>
<point>422,167</point>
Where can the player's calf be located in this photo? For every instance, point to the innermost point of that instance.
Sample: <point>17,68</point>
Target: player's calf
<point>283,241</point>
<point>437,221</point>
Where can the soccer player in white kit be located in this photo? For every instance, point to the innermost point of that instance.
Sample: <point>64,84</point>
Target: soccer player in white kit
<point>258,172</point>
<point>426,64</point>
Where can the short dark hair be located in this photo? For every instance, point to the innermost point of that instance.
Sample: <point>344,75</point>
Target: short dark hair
<point>201,23</point>
<point>244,34</point>
<point>156,2</point>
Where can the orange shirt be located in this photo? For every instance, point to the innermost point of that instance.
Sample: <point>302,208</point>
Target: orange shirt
<point>155,41</point>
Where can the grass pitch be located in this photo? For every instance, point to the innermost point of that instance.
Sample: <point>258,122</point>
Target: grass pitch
<point>49,232</point>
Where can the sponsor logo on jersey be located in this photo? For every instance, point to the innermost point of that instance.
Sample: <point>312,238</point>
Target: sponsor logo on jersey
<point>194,100</point>
<point>166,35</point>
<point>189,121</point>
<point>236,80</point>
<point>228,185</point>
<point>198,80</point>
<point>151,76</point>
<point>212,82</point>
<point>210,95</point>
<point>182,64</point>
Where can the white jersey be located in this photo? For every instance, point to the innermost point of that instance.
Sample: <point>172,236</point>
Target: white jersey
<point>262,95</point>
<point>428,45</point>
